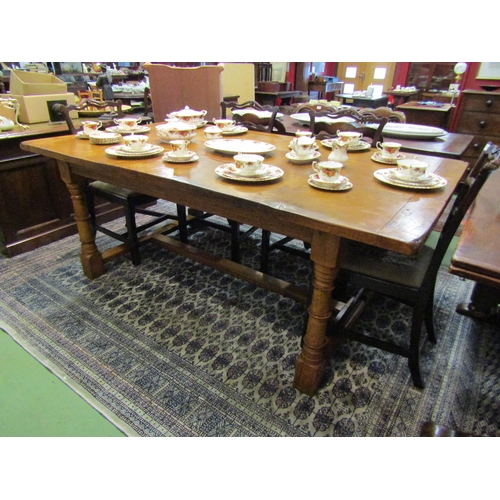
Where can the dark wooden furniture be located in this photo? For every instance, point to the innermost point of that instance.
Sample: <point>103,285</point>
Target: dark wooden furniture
<point>361,123</point>
<point>448,146</point>
<point>410,281</point>
<point>477,257</point>
<point>402,96</point>
<point>422,114</point>
<point>133,202</point>
<point>363,102</point>
<point>431,429</point>
<point>391,115</point>
<point>288,205</point>
<point>323,88</point>
<point>271,98</point>
<point>479,115</point>
<point>251,120</point>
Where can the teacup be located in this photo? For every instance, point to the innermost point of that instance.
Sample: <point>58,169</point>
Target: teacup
<point>224,124</point>
<point>213,132</point>
<point>180,148</point>
<point>352,138</point>
<point>127,123</point>
<point>411,170</point>
<point>90,127</point>
<point>304,147</point>
<point>328,171</point>
<point>389,149</point>
<point>136,142</point>
<point>248,164</point>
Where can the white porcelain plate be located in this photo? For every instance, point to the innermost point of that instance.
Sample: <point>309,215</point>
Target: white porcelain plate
<point>123,152</point>
<point>137,130</point>
<point>431,181</point>
<point>268,173</point>
<point>410,131</point>
<point>388,161</point>
<point>239,129</point>
<point>304,118</point>
<point>235,146</point>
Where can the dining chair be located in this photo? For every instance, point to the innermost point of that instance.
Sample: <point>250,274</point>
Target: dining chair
<point>409,280</point>
<point>173,88</point>
<point>251,120</point>
<point>390,114</point>
<point>132,202</point>
<point>347,119</point>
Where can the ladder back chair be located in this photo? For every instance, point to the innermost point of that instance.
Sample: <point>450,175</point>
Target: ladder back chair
<point>346,119</point>
<point>390,114</point>
<point>252,120</point>
<point>132,202</point>
<point>410,280</point>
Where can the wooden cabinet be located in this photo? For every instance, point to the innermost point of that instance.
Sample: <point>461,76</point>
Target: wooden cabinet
<point>35,205</point>
<point>479,115</point>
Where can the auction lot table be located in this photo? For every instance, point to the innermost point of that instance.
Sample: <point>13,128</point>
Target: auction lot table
<point>370,211</point>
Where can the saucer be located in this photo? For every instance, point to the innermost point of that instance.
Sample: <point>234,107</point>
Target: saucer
<point>82,135</point>
<point>317,180</point>
<point>180,159</point>
<point>129,149</point>
<point>295,159</point>
<point>124,153</point>
<point>239,129</point>
<point>135,130</point>
<point>344,185</point>
<point>228,171</point>
<point>388,161</point>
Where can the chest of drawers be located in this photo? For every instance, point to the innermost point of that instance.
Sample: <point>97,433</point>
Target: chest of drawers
<point>480,117</point>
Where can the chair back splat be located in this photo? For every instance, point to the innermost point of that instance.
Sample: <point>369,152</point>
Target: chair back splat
<point>347,119</point>
<point>254,116</point>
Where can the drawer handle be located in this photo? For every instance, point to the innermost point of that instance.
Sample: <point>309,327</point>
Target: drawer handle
<point>489,102</point>
<point>475,146</point>
<point>482,124</point>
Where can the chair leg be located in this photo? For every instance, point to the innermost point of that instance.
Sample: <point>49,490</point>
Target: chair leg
<point>182,220</point>
<point>429,320</point>
<point>414,354</point>
<point>235,241</point>
<point>264,252</point>
<point>132,239</point>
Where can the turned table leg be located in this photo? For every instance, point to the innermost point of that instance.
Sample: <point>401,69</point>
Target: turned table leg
<point>90,257</point>
<point>311,362</point>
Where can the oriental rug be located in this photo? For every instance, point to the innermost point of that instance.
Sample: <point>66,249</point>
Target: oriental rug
<point>174,348</point>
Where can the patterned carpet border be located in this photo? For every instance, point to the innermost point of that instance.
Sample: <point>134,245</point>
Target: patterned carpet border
<point>173,348</point>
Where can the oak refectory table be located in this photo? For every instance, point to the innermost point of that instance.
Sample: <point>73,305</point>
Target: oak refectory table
<point>371,212</point>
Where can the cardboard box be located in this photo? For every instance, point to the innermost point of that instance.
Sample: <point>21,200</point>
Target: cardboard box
<point>28,83</point>
<point>36,108</point>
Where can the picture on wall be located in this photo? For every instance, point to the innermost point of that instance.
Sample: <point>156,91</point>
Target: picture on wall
<point>489,71</point>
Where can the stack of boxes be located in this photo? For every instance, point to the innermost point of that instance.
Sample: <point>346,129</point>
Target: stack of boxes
<point>36,94</point>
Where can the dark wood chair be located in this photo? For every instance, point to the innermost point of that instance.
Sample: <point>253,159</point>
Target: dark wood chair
<point>360,122</point>
<point>132,202</point>
<point>409,280</point>
<point>251,120</point>
<point>390,114</point>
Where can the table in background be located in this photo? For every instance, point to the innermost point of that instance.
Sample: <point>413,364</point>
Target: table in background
<point>448,146</point>
<point>402,95</point>
<point>422,114</point>
<point>477,257</point>
<point>286,206</point>
<point>323,87</point>
<point>363,102</point>
<point>270,98</point>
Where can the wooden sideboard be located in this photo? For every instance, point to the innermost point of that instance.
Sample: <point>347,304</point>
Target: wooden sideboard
<point>479,115</point>
<point>35,205</point>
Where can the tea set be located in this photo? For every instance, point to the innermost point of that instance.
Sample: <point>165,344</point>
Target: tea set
<point>248,166</point>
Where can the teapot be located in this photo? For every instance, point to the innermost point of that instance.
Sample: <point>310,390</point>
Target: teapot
<point>303,146</point>
<point>339,152</point>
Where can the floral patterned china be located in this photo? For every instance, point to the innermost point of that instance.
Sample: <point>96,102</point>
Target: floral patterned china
<point>235,146</point>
